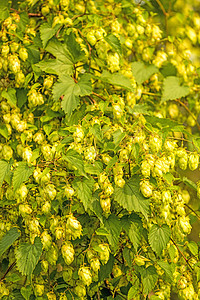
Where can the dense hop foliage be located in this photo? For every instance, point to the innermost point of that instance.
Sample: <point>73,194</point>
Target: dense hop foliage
<point>99,104</point>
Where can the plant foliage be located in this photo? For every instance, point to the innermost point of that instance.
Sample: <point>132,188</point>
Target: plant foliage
<point>99,149</point>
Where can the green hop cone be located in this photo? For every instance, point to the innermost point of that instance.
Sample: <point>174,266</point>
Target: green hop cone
<point>39,289</point>
<point>3,290</point>
<point>67,274</point>
<point>67,251</point>
<point>44,265</point>
<point>104,254</point>
<point>46,240</point>
<point>193,161</point>
<point>80,290</point>
<point>23,54</point>
<point>155,143</point>
<point>85,275</point>
<point>139,260</point>
<point>75,226</point>
<point>51,296</point>
<point>145,168</point>
<point>63,297</point>
<point>116,271</point>
<point>146,188</point>
<point>182,158</point>
<point>52,255</point>
<point>95,264</point>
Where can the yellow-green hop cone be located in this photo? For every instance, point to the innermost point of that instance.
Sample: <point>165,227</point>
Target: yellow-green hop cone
<point>85,275</point>
<point>67,251</point>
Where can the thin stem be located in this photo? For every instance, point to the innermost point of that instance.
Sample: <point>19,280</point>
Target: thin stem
<point>89,48</point>
<point>189,111</point>
<point>192,210</point>
<point>162,7</point>
<point>98,295</point>
<point>34,15</point>
<point>121,295</point>
<point>186,260</point>
<point>99,96</point>
<point>166,14</point>
<point>8,270</point>
<point>151,94</point>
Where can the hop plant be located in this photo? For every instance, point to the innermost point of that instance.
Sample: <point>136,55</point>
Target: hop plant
<point>99,136</point>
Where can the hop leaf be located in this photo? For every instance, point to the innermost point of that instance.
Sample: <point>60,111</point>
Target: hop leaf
<point>159,236</point>
<point>130,198</point>
<point>71,91</point>
<point>28,255</point>
<point>172,89</point>
<point>142,72</point>
<point>21,174</point>
<point>8,239</point>
<point>4,170</point>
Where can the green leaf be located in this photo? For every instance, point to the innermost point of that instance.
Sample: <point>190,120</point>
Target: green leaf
<point>74,48</point>
<point>71,91</point>
<point>165,124</point>
<point>4,131</point>
<point>198,275</point>
<point>75,159</point>
<point>14,277</point>
<point>96,131</point>
<point>172,89</point>
<point>50,114</point>
<point>35,154</point>
<point>149,278</point>
<point>113,225</point>
<point>159,236</point>
<point>117,79</point>
<point>127,256</point>
<point>139,109</point>
<point>118,136</point>
<point>153,297</point>
<point>168,177</point>
<point>167,268</point>
<point>8,239</point>
<point>28,255</point>
<point>102,231</point>
<point>130,197</point>
<point>21,174</point>
<point>10,95</point>
<point>84,189</point>
<point>193,247</point>
<point>4,9</point>
<point>47,32</point>
<point>142,72</point>
<point>15,294</point>
<point>60,51</point>
<point>95,168</point>
<point>47,128</point>
<point>168,70</point>
<point>4,170</point>
<point>55,66</point>
<point>26,292</point>
<point>21,97</point>
<point>106,269</point>
<point>189,183</point>
<point>133,227</point>
<point>134,290</point>
<point>62,64</point>
<point>114,42</point>
<point>4,13</point>
<point>33,54</point>
<point>111,163</point>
